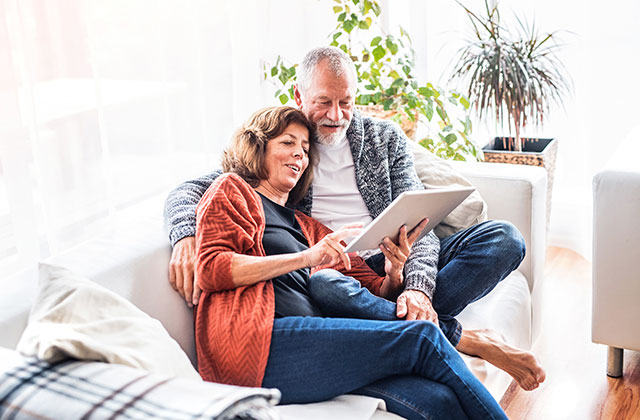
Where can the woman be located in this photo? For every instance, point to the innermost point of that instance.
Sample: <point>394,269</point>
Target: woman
<point>258,264</point>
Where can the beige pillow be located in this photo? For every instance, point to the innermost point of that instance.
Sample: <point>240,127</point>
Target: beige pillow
<point>75,317</point>
<point>435,172</point>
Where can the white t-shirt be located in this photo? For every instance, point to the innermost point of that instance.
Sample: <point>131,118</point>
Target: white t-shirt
<point>336,198</point>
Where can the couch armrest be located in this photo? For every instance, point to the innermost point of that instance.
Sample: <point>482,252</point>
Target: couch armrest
<point>515,193</point>
<point>616,252</point>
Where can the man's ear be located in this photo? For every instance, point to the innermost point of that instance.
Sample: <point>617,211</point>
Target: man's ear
<point>296,96</point>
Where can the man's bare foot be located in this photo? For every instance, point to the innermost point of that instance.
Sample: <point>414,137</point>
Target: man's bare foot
<point>520,364</point>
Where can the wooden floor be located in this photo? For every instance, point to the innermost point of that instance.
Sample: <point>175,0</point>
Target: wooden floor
<point>576,386</point>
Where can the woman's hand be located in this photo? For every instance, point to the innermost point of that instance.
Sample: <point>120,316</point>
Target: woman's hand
<point>249,269</point>
<point>329,252</point>
<point>396,255</point>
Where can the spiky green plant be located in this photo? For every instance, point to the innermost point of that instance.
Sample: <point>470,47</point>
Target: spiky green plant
<point>514,75</point>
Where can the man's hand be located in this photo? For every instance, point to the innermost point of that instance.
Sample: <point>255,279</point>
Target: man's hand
<point>396,254</point>
<point>182,270</point>
<point>415,305</point>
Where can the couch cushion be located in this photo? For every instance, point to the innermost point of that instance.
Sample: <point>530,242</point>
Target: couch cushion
<point>75,317</point>
<point>435,172</point>
<point>507,311</point>
<point>343,407</point>
<point>133,261</point>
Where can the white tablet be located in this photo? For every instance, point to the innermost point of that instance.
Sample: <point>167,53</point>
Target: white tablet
<point>409,208</point>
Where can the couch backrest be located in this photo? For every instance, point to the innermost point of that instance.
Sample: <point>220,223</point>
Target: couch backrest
<point>132,260</point>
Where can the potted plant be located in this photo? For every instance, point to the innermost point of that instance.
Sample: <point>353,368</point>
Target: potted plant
<point>514,76</point>
<point>386,86</point>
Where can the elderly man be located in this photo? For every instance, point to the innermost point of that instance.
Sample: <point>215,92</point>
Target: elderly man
<point>363,165</point>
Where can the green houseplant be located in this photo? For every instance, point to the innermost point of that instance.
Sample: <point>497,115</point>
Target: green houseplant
<point>386,86</point>
<point>515,75</point>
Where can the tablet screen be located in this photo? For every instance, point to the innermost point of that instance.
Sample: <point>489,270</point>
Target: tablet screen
<point>409,208</point>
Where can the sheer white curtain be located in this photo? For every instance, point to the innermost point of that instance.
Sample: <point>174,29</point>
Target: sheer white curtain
<point>104,104</point>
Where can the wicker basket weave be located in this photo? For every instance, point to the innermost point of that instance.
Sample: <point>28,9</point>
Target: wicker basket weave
<point>377,111</point>
<point>544,152</point>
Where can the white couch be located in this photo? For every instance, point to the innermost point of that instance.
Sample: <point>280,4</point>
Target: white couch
<point>132,260</point>
<point>616,251</point>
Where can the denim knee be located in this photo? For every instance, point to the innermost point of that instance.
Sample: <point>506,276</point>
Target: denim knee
<point>330,282</point>
<point>326,275</point>
<point>330,277</point>
<point>427,330</point>
<point>514,240</point>
<point>413,397</point>
<point>321,281</point>
<point>510,240</point>
<point>447,402</point>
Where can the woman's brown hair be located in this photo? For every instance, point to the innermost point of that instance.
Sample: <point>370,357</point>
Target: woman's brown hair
<point>245,155</point>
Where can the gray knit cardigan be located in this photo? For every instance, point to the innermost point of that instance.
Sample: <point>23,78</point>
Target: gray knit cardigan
<point>384,169</point>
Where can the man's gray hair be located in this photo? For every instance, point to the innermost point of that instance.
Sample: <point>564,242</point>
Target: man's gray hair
<point>339,63</point>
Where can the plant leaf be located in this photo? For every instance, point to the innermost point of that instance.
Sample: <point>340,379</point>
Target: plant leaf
<point>425,91</point>
<point>465,102</point>
<point>284,77</point>
<point>393,47</point>
<point>376,8</point>
<point>450,139</point>
<point>348,26</point>
<point>397,83</point>
<point>378,53</point>
<point>429,111</point>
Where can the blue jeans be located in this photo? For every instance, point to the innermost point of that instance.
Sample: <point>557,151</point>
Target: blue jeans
<point>409,364</point>
<point>472,262</point>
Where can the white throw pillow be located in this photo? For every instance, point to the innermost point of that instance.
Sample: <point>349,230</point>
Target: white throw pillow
<point>435,172</point>
<point>75,317</point>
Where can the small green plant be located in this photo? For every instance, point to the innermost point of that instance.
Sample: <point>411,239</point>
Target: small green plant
<point>514,74</point>
<point>384,63</point>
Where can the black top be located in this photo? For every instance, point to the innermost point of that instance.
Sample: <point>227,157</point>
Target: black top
<point>283,235</point>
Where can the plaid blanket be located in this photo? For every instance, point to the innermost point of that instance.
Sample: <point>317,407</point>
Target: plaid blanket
<point>93,390</point>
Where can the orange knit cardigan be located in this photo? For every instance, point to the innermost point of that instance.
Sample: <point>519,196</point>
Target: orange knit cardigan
<point>233,324</point>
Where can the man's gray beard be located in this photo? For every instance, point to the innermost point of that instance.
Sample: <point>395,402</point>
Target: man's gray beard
<point>331,139</point>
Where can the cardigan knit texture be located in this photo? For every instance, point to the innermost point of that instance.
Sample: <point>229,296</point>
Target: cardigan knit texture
<point>384,169</point>
<point>233,325</point>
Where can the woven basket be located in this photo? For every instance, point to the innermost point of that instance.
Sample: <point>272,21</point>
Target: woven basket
<point>535,152</point>
<point>377,111</point>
